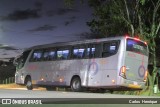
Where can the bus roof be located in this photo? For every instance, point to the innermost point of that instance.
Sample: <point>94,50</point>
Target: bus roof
<point>77,42</point>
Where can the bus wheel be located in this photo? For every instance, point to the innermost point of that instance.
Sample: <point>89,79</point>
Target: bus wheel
<point>29,83</point>
<point>76,84</point>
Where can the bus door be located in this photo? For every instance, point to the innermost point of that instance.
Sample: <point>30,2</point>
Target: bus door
<point>136,60</point>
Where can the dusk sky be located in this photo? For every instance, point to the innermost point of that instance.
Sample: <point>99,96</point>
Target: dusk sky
<point>24,23</point>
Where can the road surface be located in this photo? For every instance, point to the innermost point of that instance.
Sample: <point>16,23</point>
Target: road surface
<point>54,97</point>
<point>14,93</point>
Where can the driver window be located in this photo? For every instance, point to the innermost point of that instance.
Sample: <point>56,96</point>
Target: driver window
<point>22,59</point>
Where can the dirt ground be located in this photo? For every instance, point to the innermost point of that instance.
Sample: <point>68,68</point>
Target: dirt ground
<point>3,86</point>
<point>15,86</point>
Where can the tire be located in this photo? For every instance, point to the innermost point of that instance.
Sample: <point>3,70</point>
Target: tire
<point>76,84</point>
<point>29,83</point>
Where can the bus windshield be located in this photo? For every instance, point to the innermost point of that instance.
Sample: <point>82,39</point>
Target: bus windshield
<point>137,46</point>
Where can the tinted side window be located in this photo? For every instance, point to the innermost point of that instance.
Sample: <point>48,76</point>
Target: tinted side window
<point>79,52</point>
<point>52,55</point>
<point>49,55</point>
<point>36,56</point>
<point>93,51</point>
<point>25,55</point>
<point>110,48</point>
<point>45,55</point>
<point>22,59</point>
<point>63,54</point>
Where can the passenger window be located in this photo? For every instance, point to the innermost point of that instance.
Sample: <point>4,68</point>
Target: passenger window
<point>51,55</point>
<point>78,52</point>
<point>46,55</point>
<point>36,56</point>
<point>63,54</point>
<point>93,51</point>
<point>110,48</point>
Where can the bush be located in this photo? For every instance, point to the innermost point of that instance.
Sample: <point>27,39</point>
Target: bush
<point>6,71</point>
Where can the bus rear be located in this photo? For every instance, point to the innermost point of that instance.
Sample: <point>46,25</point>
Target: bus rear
<point>133,72</point>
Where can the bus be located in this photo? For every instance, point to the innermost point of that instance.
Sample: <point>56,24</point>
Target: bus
<point>111,63</point>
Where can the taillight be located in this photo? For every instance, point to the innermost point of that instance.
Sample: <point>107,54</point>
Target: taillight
<point>145,76</point>
<point>126,36</point>
<point>135,38</point>
<point>123,72</point>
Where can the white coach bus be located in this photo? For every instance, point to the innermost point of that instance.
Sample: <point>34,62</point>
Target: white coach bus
<point>108,63</point>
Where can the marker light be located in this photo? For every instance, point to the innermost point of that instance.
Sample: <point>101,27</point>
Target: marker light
<point>126,36</point>
<point>123,72</point>
<point>60,80</point>
<point>113,81</point>
<point>145,43</point>
<point>137,39</point>
<point>145,76</point>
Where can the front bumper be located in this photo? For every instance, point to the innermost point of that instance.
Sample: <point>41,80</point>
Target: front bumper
<point>19,78</point>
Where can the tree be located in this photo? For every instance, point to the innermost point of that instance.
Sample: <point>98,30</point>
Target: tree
<point>136,17</point>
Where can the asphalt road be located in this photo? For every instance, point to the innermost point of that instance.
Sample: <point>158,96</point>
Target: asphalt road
<point>73,99</point>
<point>67,97</point>
<point>14,93</point>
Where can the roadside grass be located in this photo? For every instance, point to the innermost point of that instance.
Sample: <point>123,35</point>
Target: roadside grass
<point>140,92</point>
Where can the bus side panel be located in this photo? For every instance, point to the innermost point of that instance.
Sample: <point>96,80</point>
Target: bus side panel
<point>58,73</point>
<point>109,71</point>
<point>70,68</point>
<point>93,73</point>
<point>48,73</point>
<point>102,72</point>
